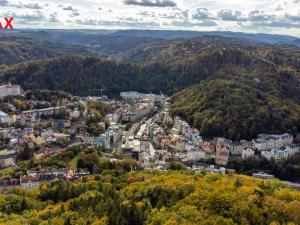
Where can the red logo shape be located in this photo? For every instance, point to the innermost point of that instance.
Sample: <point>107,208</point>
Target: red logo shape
<point>8,24</point>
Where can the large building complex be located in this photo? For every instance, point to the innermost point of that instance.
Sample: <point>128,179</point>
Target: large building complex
<point>39,112</point>
<point>133,96</point>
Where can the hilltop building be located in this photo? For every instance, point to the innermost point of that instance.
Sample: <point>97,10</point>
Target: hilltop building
<point>9,90</point>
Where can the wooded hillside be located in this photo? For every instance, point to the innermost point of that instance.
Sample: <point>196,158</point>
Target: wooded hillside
<point>159,198</point>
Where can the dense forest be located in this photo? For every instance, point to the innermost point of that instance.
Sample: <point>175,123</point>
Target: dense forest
<point>154,198</point>
<point>236,110</point>
<point>257,87</point>
<point>75,74</point>
<point>168,66</point>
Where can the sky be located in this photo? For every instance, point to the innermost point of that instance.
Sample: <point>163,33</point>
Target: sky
<point>252,16</point>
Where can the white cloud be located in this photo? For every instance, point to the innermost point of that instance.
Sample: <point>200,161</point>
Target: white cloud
<point>270,16</point>
<point>230,15</point>
<point>201,14</point>
<point>151,3</point>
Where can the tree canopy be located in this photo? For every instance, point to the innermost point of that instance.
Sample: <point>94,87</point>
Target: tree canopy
<point>154,198</point>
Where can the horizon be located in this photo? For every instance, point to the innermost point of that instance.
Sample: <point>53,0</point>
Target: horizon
<point>160,30</point>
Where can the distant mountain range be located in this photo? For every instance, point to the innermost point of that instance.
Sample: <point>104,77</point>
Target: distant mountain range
<point>90,36</point>
<point>167,34</point>
<point>22,45</point>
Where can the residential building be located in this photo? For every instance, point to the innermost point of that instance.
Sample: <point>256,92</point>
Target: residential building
<point>195,155</point>
<point>101,141</point>
<point>74,114</point>
<point>7,158</point>
<point>247,152</point>
<point>110,138</point>
<point>4,118</point>
<point>9,90</point>
<point>30,182</point>
<point>137,111</point>
<point>37,113</point>
<point>280,153</point>
<point>268,142</point>
<point>114,135</point>
<point>116,115</point>
<point>236,149</point>
<point>222,151</point>
<point>132,96</point>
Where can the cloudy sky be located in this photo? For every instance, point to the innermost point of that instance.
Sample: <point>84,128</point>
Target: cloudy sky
<point>266,16</point>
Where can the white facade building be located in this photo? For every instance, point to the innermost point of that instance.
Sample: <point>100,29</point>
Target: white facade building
<point>269,142</point>
<point>74,114</point>
<point>4,118</point>
<point>9,90</point>
<point>28,182</point>
<point>262,175</point>
<point>39,112</point>
<point>281,153</point>
<point>132,95</point>
<point>195,155</point>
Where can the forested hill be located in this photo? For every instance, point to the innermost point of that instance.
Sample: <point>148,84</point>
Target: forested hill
<point>271,69</point>
<point>75,74</point>
<point>153,198</point>
<point>236,110</point>
<point>13,52</point>
<point>183,49</point>
<point>271,76</point>
<point>19,48</point>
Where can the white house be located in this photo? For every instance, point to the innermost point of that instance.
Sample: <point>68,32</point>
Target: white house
<point>4,118</point>
<point>195,155</point>
<point>30,182</point>
<point>9,89</point>
<point>277,154</point>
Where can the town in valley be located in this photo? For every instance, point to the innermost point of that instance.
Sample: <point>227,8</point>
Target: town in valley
<point>36,125</point>
<point>149,112</point>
